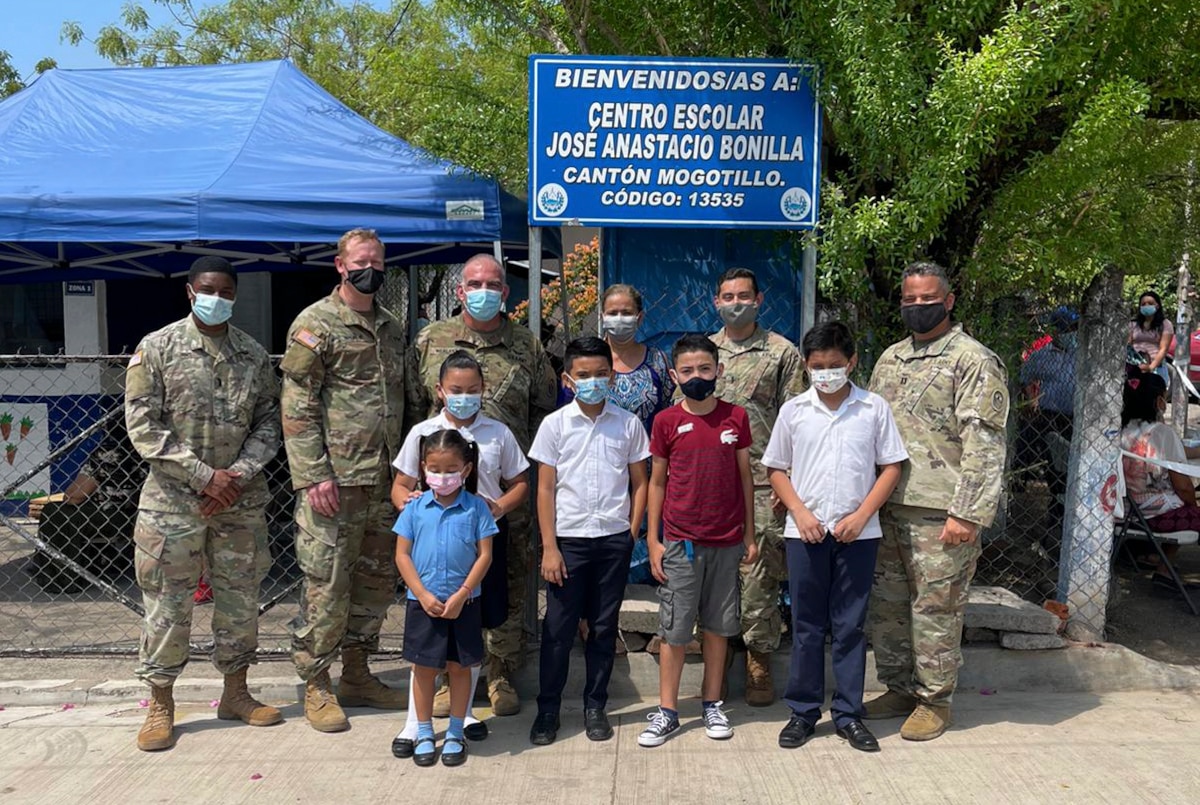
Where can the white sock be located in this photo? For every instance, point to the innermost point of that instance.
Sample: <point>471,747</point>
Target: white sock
<point>471,719</point>
<point>409,731</point>
<point>410,724</point>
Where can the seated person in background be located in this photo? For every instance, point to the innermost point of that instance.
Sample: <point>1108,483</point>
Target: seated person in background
<point>1048,382</point>
<point>93,523</point>
<point>1166,498</point>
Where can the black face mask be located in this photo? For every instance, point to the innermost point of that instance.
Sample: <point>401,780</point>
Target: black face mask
<point>698,388</point>
<point>366,280</point>
<point>923,318</point>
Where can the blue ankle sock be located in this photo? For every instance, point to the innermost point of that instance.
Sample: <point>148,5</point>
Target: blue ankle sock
<point>454,731</point>
<point>424,730</point>
<point>672,714</point>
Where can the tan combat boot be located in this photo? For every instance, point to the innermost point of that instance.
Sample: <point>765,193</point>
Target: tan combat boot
<point>927,722</point>
<point>501,693</point>
<point>358,688</point>
<point>760,688</point>
<point>158,731</point>
<point>892,704</point>
<point>321,707</point>
<point>237,703</point>
<point>441,699</point>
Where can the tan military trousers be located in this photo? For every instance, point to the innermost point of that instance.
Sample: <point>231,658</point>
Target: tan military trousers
<point>761,621</point>
<point>506,643</point>
<point>349,565</point>
<point>171,550</point>
<point>916,614</point>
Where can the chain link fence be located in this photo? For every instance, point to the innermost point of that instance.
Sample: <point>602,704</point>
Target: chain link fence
<point>70,484</point>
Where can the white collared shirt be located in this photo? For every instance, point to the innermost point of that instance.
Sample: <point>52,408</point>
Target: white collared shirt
<point>591,459</point>
<point>500,456</point>
<point>832,455</point>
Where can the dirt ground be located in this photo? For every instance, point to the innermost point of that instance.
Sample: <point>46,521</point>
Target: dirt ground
<point>1153,624</point>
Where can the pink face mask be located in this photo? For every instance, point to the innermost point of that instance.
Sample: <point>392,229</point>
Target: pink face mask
<point>444,483</point>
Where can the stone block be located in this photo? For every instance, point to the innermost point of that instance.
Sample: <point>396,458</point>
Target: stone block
<point>1003,611</point>
<point>639,610</point>
<point>634,641</point>
<point>1031,642</point>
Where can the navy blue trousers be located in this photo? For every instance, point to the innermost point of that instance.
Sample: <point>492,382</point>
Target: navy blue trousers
<point>830,583</point>
<point>592,591</point>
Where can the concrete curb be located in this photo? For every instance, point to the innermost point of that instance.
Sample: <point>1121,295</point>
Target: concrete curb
<point>1097,668</point>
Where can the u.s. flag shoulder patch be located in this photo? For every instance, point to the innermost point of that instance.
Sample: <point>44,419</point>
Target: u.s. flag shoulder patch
<point>307,338</point>
<point>136,360</point>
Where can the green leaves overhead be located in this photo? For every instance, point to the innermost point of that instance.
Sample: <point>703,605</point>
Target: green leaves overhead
<point>1023,144</point>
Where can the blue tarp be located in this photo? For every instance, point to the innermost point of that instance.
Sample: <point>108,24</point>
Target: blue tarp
<point>677,269</point>
<point>135,171</point>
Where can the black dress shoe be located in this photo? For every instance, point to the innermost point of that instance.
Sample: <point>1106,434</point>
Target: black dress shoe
<point>796,733</point>
<point>858,736</point>
<point>544,729</point>
<point>596,725</point>
<point>476,731</point>
<point>402,747</point>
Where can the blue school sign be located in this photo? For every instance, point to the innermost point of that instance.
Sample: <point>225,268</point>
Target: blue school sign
<point>664,142</point>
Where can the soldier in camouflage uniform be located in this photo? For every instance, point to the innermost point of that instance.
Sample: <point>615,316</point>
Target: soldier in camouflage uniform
<point>344,375</point>
<point>949,395</point>
<point>762,371</point>
<point>201,407</point>
<point>519,389</point>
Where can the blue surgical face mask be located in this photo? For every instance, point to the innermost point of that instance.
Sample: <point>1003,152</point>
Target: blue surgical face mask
<point>463,406</point>
<point>483,303</point>
<point>1149,310</point>
<point>591,390</point>
<point>211,309</point>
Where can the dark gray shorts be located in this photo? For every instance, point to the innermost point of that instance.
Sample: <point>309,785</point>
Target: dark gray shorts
<point>709,585</point>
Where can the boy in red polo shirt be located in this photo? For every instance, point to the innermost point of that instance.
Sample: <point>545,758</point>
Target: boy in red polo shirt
<point>701,502</point>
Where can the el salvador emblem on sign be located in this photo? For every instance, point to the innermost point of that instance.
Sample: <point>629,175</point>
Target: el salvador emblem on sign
<point>552,199</point>
<point>795,204</point>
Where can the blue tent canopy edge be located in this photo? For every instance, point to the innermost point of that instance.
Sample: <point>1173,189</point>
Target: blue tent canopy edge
<point>134,172</point>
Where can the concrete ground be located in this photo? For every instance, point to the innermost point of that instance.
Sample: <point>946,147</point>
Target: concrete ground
<point>1006,747</point>
<point>1083,724</point>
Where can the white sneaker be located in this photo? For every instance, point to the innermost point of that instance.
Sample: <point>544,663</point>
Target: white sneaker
<point>716,723</point>
<point>662,727</point>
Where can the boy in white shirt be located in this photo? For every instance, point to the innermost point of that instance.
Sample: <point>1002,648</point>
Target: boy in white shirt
<point>843,452</point>
<point>591,498</point>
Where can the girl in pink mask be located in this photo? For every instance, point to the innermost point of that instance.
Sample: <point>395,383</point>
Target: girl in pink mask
<point>443,551</point>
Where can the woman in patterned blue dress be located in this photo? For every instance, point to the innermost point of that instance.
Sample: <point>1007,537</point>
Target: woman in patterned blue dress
<point>640,382</point>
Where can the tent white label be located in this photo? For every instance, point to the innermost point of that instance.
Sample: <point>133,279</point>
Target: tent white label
<point>469,210</point>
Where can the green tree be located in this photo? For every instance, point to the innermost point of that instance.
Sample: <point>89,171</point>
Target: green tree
<point>10,79</point>
<point>1022,144</point>
<point>444,83</point>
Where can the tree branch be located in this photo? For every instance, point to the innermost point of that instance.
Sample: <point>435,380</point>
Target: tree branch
<point>654,29</point>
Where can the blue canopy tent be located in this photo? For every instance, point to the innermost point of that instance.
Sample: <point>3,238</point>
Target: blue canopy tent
<point>134,172</point>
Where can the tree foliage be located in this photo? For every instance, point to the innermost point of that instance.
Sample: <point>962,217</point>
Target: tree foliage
<point>580,271</point>
<point>1022,144</point>
<point>10,79</point>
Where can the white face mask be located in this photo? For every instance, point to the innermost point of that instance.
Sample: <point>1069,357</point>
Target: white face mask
<point>829,381</point>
